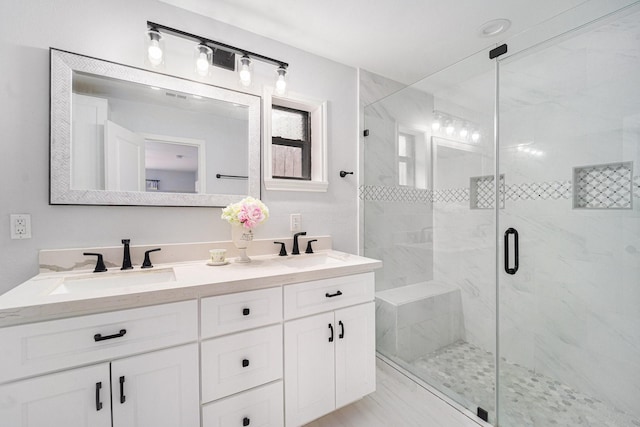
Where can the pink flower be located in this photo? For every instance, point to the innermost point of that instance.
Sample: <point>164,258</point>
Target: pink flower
<point>250,215</point>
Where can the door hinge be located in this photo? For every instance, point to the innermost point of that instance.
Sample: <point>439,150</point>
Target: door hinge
<point>500,50</point>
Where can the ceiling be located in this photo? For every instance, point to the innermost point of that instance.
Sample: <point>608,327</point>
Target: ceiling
<point>405,40</point>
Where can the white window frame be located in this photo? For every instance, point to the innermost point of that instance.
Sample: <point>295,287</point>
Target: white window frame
<point>318,116</point>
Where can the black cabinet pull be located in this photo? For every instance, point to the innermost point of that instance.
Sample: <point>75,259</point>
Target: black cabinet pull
<point>99,337</point>
<point>246,311</point>
<point>245,363</point>
<point>98,403</point>
<point>341,336</point>
<point>331,337</point>
<point>516,260</point>
<point>246,421</point>
<point>123,398</point>
<point>337,294</point>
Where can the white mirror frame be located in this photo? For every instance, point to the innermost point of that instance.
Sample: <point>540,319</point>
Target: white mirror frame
<point>63,64</point>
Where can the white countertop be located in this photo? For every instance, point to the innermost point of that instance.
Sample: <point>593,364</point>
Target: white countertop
<point>32,301</point>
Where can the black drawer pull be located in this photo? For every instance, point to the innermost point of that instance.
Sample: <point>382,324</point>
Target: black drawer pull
<point>331,337</point>
<point>98,403</point>
<point>246,311</point>
<point>99,337</point>
<point>246,421</point>
<point>341,336</point>
<point>245,363</point>
<point>337,294</point>
<point>123,398</point>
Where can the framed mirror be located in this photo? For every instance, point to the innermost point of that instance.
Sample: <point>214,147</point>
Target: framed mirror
<point>126,136</point>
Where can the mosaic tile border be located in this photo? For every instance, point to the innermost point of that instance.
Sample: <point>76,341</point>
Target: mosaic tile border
<point>539,191</point>
<point>394,194</point>
<point>451,195</point>
<point>552,190</point>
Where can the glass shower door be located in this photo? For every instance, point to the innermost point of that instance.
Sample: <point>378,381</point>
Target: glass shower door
<point>435,295</point>
<point>569,270</point>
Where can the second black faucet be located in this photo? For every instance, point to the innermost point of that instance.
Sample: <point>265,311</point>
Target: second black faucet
<point>296,250</point>
<point>126,260</point>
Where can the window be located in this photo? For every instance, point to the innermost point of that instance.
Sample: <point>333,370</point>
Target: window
<point>406,156</point>
<point>290,143</point>
<point>295,143</point>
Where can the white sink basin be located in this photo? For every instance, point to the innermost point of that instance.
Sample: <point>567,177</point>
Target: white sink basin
<point>309,260</point>
<point>104,281</point>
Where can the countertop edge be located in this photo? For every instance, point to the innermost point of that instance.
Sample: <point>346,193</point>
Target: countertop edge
<point>24,314</point>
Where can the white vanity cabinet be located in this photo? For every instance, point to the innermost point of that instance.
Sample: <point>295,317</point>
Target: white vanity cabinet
<point>241,359</point>
<point>329,357</point>
<point>269,357</point>
<point>89,364</point>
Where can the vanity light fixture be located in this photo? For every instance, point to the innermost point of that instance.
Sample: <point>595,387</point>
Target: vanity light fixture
<point>455,128</point>
<point>203,56</point>
<point>155,47</point>
<point>281,83</point>
<point>245,70</point>
<point>450,129</point>
<point>435,125</point>
<point>464,132</point>
<point>212,53</point>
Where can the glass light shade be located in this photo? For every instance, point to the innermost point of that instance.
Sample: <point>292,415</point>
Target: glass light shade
<point>435,126</point>
<point>245,71</point>
<point>202,56</point>
<point>154,47</point>
<point>450,129</point>
<point>463,133</point>
<point>475,136</point>
<point>281,83</point>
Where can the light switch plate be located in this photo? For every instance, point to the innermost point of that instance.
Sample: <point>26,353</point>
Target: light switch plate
<point>296,222</point>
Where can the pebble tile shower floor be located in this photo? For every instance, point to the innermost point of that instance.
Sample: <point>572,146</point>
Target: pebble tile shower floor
<point>529,399</point>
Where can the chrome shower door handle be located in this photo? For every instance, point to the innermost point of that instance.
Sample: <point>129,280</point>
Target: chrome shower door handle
<point>516,256</point>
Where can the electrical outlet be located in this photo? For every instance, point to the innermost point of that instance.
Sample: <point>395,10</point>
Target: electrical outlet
<point>295,222</point>
<point>20,226</point>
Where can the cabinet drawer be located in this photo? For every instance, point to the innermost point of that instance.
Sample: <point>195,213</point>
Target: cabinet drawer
<point>303,299</point>
<point>238,312</point>
<point>48,346</point>
<point>261,407</point>
<point>240,361</point>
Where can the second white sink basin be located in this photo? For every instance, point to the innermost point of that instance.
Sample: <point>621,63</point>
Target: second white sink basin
<point>103,281</point>
<point>309,260</point>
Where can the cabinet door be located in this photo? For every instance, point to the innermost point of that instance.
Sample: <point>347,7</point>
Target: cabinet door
<point>75,398</point>
<point>309,368</point>
<point>158,389</point>
<point>355,353</point>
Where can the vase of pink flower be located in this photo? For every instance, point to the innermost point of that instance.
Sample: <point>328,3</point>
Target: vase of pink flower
<point>243,216</point>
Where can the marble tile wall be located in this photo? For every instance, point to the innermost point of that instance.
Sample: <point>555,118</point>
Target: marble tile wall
<point>397,220</point>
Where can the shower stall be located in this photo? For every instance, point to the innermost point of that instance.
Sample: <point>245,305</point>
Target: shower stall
<point>503,196</point>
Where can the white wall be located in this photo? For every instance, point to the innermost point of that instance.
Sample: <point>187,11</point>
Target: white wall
<point>114,30</point>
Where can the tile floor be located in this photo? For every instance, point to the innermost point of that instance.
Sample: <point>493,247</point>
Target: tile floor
<point>397,402</point>
<point>529,399</point>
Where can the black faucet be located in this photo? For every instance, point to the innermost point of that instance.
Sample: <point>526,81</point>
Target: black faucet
<point>100,267</point>
<point>126,260</point>
<point>295,250</point>
<point>147,260</point>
